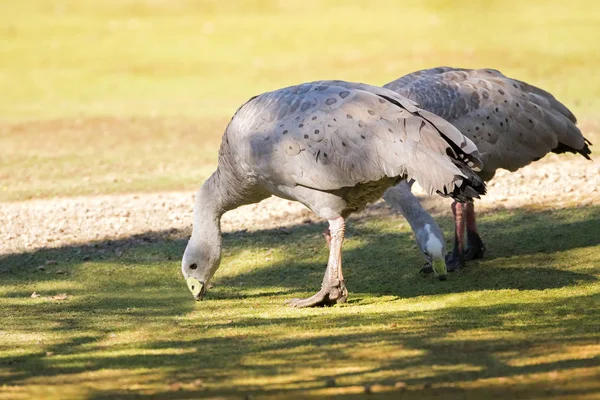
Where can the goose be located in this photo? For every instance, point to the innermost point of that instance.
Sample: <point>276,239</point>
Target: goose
<point>333,146</point>
<point>511,122</point>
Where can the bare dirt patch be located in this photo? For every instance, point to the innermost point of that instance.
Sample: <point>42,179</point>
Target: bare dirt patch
<point>555,182</point>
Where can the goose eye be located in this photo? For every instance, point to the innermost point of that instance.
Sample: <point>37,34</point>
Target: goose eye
<point>193,266</point>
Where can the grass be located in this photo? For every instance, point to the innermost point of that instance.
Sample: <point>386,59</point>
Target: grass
<point>121,96</point>
<point>522,323</point>
<point>200,58</point>
<point>104,155</point>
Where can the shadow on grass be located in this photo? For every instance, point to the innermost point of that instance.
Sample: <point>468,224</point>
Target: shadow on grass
<point>376,260</point>
<point>134,282</point>
<point>429,345</point>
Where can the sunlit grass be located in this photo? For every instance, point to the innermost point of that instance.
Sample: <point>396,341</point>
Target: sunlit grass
<point>119,96</point>
<point>122,96</point>
<point>522,322</point>
<point>205,58</point>
<point>105,155</point>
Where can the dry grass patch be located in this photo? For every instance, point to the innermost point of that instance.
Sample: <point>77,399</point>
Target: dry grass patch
<point>106,155</point>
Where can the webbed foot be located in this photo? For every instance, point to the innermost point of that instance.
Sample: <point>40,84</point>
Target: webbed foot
<point>334,293</point>
<point>426,270</point>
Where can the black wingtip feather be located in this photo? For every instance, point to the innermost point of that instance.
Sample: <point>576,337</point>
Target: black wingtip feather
<point>584,151</point>
<point>471,187</point>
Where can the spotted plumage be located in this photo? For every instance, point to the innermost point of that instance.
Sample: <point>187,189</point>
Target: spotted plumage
<point>511,122</point>
<point>333,146</point>
<point>367,134</point>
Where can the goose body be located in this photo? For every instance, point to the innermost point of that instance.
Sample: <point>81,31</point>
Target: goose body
<point>511,122</point>
<point>333,146</point>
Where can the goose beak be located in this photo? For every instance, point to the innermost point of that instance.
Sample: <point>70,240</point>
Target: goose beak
<point>196,287</point>
<point>439,269</point>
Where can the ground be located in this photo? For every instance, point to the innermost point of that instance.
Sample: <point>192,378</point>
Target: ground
<point>111,118</point>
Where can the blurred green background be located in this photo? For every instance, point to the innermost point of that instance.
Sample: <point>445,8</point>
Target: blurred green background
<point>130,95</point>
<point>111,96</point>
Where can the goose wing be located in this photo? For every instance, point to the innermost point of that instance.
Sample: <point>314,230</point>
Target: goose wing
<point>511,122</point>
<point>328,135</point>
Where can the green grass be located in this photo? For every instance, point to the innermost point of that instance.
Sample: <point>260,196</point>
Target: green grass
<point>104,155</point>
<point>520,323</point>
<point>203,58</point>
<point>122,95</point>
<point>179,70</point>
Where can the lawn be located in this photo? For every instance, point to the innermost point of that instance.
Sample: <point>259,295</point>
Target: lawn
<point>521,323</point>
<point>114,96</point>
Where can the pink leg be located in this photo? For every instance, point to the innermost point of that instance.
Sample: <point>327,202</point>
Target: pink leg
<point>470,217</point>
<point>458,209</point>
<point>333,289</point>
<point>475,247</point>
<point>337,229</point>
<point>455,260</point>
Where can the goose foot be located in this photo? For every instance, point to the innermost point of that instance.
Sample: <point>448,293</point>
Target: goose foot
<point>334,293</point>
<point>454,261</point>
<point>426,270</point>
<point>475,247</point>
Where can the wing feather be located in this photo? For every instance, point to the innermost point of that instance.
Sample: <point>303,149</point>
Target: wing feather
<point>328,135</point>
<point>511,122</point>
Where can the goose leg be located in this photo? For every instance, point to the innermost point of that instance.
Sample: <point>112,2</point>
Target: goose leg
<point>327,235</point>
<point>475,246</point>
<point>333,289</point>
<point>455,260</point>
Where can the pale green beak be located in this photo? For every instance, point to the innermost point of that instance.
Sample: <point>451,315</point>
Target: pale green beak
<point>195,287</point>
<point>439,269</point>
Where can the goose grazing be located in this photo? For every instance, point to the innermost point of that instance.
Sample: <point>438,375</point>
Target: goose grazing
<point>333,146</point>
<point>511,122</point>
